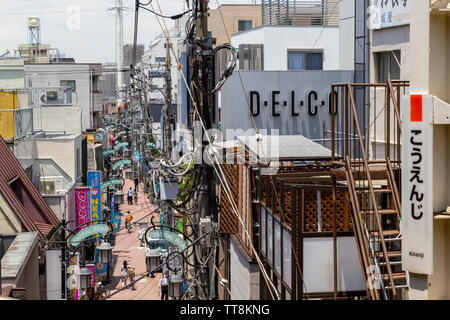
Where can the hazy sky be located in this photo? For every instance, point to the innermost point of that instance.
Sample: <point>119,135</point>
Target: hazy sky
<point>89,38</point>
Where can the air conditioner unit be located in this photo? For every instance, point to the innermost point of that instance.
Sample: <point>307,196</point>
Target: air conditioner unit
<point>50,184</point>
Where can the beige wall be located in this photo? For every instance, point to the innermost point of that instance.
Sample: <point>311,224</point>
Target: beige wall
<point>439,56</point>
<point>9,222</point>
<point>62,151</point>
<point>60,118</point>
<point>231,15</point>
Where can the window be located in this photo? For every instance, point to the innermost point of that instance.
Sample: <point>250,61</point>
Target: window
<point>69,83</point>
<point>160,59</point>
<point>251,57</point>
<point>303,60</point>
<point>244,25</point>
<point>387,65</point>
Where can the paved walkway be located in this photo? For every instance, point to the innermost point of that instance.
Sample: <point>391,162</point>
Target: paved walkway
<point>127,248</point>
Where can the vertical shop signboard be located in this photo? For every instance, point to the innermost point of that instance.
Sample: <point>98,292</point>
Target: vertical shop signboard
<point>82,206</point>
<point>115,219</point>
<point>417,184</point>
<point>94,179</point>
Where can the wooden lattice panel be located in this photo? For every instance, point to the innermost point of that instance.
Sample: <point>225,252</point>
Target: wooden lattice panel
<point>344,222</point>
<point>309,211</point>
<point>228,222</point>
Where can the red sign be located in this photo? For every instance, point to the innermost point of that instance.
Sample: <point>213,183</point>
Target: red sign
<point>416,108</point>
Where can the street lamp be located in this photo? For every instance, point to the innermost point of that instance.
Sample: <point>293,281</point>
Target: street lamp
<point>118,195</point>
<point>152,259</point>
<point>175,287</point>
<point>84,279</point>
<point>104,252</point>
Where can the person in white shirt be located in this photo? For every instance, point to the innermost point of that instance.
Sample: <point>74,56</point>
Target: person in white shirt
<point>164,285</point>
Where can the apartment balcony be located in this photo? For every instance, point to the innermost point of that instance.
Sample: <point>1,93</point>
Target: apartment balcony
<point>300,13</point>
<point>16,124</point>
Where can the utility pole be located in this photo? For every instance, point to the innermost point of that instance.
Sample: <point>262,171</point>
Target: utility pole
<point>203,70</point>
<point>168,105</point>
<point>119,53</point>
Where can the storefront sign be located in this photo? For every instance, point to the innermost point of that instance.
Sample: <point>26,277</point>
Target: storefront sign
<point>82,206</point>
<point>280,103</point>
<point>120,163</point>
<point>169,236</point>
<point>94,179</point>
<point>110,183</point>
<point>88,232</point>
<point>388,13</point>
<point>417,184</point>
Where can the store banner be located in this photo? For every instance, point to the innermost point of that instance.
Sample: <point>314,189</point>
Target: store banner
<point>388,14</point>
<point>115,219</point>
<point>101,269</point>
<point>82,206</point>
<point>94,180</point>
<point>417,184</point>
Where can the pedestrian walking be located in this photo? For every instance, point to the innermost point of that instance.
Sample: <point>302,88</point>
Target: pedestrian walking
<point>128,220</point>
<point>130,196</point>
<point>136,184</point>
<point>124,273</point>
<point>135,196</point>
<point>164,285</point>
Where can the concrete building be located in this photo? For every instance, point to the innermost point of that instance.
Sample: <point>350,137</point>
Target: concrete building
<point>12,73</point>
<point>229,19</point>
<point>65,150</point>
<point>84,79</point>
<point>154,60</point>
<point>275,48</point>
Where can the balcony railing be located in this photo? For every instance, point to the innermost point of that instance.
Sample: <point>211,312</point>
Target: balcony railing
<point>16,124</point>
<point>300,13</point>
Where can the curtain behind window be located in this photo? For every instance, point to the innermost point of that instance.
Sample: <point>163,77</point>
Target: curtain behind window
<point>296,60</point>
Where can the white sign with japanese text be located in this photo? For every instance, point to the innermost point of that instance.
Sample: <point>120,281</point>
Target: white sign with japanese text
<point>417,184</point>
<point>388,13</point>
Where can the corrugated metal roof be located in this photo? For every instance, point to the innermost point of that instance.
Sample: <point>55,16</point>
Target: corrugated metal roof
<point>17,255</point>
<point>10,169</point>
<point>287,147</point>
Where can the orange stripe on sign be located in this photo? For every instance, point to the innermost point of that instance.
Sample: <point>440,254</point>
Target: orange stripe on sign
<point>416,108</point>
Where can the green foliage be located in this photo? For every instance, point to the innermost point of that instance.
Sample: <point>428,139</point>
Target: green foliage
<point>186,185</point>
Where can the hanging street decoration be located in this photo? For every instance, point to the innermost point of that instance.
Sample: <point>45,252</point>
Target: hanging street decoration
<point>110,183</point>
<point>108,152</point>
<point>172,237</point>
<point>120,163</point>
<point>87,232</point>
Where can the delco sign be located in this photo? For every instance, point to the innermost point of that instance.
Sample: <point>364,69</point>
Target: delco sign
<point>293,102</point>
<point>417,184</point>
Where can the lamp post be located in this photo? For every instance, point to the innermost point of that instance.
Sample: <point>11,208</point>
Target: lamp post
<point>84,279</point>
<point>119,197</point>
<point>104,252</point>
<point>152,259</point>
<point>175,286</point>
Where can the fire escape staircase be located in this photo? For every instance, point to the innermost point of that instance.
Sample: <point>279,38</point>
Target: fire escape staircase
<point>376,208</point>
<point>377,221</point>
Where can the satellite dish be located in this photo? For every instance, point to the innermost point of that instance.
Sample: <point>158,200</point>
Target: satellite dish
<point>43,98</point>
